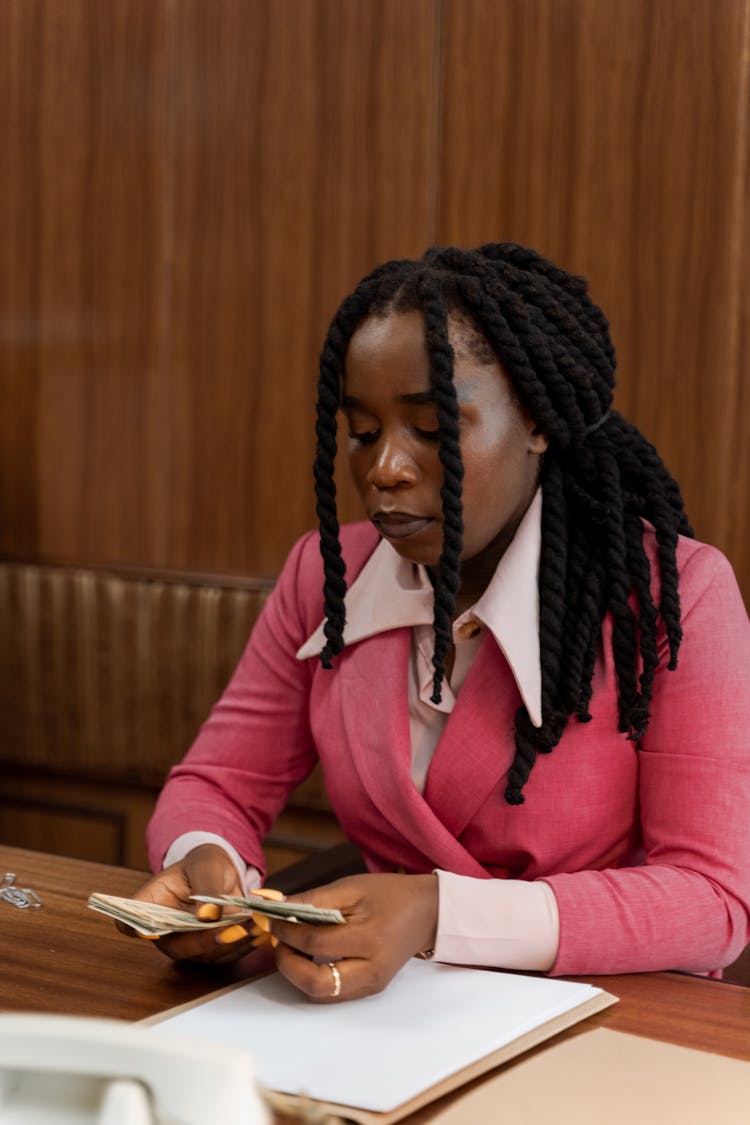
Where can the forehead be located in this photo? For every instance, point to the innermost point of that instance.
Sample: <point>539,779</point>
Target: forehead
<point>393,345</point>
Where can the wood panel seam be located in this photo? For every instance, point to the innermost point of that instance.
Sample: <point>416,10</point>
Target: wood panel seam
<point>738,264</point>
<point>436,129</point>
<point>165,326</point>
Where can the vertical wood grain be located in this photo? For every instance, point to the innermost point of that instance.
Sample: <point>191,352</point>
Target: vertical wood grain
<point>19,282</point>
<point>302,158</point>
<point>606,135</point>
<point>736,498</point>
<point>191,188</point>
<point>81,221</point>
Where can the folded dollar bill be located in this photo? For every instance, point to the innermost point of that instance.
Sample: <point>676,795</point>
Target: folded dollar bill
<point>286,911</point>
<point>154,920</point>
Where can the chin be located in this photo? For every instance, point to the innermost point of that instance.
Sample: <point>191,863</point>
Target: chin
<point>422,556</point>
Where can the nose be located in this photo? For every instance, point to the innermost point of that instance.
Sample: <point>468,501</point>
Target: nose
<point>392,466</point>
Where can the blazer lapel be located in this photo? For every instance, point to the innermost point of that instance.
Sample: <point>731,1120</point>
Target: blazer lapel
<point>477,746</point>
<point>375,708</point>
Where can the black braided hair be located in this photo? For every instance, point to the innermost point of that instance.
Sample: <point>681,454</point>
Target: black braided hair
<point>600,477</point>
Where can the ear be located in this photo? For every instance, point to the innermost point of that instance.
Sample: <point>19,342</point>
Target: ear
<point>538,441</point>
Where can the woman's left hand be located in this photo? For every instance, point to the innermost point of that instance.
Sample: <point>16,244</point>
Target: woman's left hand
<point>389,919</point>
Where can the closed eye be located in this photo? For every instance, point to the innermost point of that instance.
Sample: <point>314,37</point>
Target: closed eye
<point>366,438</point>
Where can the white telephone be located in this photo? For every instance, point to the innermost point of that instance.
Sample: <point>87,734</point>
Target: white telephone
<point>70,1070</point>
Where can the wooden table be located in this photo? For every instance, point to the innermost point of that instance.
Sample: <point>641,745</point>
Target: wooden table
<point>65,958</point>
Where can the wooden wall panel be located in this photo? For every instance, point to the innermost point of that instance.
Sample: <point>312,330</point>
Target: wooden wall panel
<point>81,206</point>
<point>192,188</point>
<point>607,135</point>
<point>189,188</point>
<point>18,281</point>
<point>300,161</point>
<point>736,497</point>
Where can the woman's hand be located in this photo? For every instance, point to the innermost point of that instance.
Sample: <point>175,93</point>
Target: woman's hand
<point>389,919</point>
<point>206,870</point>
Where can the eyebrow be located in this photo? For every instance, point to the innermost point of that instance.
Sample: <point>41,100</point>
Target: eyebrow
<point>419,398</point>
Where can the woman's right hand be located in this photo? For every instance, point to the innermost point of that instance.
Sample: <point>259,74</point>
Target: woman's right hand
<point>206,870</point>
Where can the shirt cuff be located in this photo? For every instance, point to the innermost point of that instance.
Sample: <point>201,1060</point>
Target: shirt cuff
<point>249,876</point>
<point>500,923</point>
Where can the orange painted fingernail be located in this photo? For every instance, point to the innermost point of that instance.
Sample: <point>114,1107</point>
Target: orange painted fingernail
<point>148,937</point>
<point>262,923</point>
<point>231,934</point>
<point>265,939</point>
<point>208,912</point>
<point>268,892</point>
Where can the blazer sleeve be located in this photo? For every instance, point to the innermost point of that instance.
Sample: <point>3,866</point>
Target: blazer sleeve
<point>256,745</point>
<point>688,906</point>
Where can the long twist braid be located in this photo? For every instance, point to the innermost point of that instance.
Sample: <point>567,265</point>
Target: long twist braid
<point>349,315</point>
<point>441,373</point>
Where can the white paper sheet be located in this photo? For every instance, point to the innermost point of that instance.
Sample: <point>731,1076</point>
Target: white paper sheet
<point>378,1052</point>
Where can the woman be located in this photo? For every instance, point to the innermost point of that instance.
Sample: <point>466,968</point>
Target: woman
<point>525,680</point>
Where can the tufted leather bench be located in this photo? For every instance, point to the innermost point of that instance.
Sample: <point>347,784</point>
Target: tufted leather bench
<point>105,677</point>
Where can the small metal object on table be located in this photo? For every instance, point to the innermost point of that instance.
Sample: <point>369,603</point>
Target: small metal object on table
<point>21,897</point>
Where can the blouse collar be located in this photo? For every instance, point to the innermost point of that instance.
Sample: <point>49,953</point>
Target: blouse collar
<point>392,593</point>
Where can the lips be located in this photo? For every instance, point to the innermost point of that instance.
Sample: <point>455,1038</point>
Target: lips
<point>400,525</point>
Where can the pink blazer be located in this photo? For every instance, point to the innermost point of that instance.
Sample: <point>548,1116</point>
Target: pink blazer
<point>648,853</point>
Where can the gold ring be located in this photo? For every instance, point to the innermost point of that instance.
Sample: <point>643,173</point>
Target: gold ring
<point>336,980</point>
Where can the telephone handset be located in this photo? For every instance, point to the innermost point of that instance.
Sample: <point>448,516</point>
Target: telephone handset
<point>72,1070</point>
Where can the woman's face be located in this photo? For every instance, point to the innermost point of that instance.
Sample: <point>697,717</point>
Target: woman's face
<point>393,447</point>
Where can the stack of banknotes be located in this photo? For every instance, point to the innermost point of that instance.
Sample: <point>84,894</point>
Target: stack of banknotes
<point>153,920</point>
